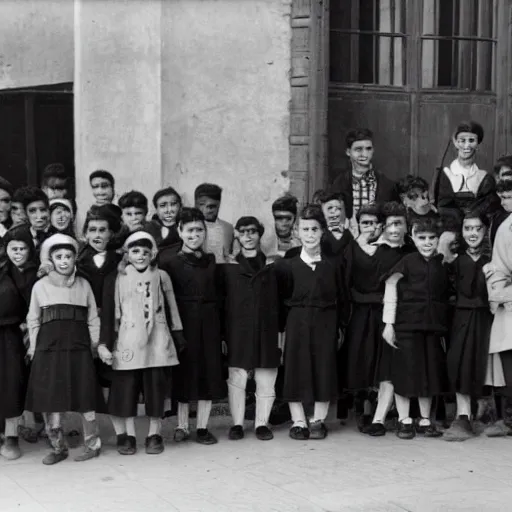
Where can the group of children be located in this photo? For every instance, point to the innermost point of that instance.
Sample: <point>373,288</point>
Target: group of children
<point>399,304</point>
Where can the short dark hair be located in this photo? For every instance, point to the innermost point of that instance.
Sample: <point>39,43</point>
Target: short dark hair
<point>168,191</point>
<point>358,134</point>
<point>503,161</point>
<point>101,173</point>
<point>470,127</point>
<point>250,221</point>
<point>313,212</point>
<point>370,209</point>
<point>56,247</point>
<point>393,209</point>
<point>102,213</point>
<point>504,186</point>
<point>475,213</point>
<point>426,224</point>
<point>286,203</point>
<point>55,170</point>
<point>410,182</point>
<point>324,196</point>
<point>30,194</point>
<point>6,185</point>
<point>209,190</point>
<point>188,215</point>
<point>133,199</point>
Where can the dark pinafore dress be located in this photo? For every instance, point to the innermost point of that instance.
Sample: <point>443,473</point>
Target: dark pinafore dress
<point>63,376</point>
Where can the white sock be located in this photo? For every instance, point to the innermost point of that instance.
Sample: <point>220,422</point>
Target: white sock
<point>402,406</point>
<point>204,408</point>
<point>183,416</point>
<point>119,425</point>
<point>130,426</point>
<point>155,426</point>
<point>384,402</point>
<point>297,414</point>
<point>236,393</point>
<point>11,426</point>
<point>425,403</point>
<point>463,405</point>
<point>265,394</point>
<point>321,411</point>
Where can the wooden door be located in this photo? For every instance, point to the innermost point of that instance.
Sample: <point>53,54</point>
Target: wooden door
<point>411,70</point>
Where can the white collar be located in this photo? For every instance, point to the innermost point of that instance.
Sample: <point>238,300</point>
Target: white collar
<point>310,261</point>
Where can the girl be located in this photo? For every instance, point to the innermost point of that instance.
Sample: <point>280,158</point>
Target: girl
<point>199,376</point>
<point>311,287</point>
<point>167,203</point>
<point>143,312</point>
<point>415,317</point>
<point>63,328</point>
<point>471,326</point>
<point>62,214</point>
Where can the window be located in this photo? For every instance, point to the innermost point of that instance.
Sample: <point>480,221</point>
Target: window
<point>368,40</point>
<point>458,44</point>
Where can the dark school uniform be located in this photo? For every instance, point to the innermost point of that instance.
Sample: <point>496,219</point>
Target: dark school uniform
<point>156,229</point>
<point>199,375</point>
<point>316,311</point>
<point>250,312</point>
<point>471,327</point>
<point>12,351</point>
<point>418,365</point>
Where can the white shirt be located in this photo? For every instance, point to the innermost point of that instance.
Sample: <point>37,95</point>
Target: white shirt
<point>310,261</point>
<point>99,259</point>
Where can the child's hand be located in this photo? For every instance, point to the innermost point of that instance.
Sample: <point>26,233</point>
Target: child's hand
<point>493,306</point>
<point>45,268</point>
<point>105,355</point>
<point>389,335</point>
<point>30,353</point>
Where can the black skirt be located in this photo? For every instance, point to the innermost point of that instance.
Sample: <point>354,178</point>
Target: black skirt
<point>469,350</point>
<point>63,375</point>
<point>12,372</point>
<point>418,365</point>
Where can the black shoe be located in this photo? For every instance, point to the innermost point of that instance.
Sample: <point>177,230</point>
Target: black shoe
<point>429,430</point>
<point>405,430</point>
<point>263,433</point>
<point>363,423</point>
<point>129,447</point>
<point>204,436</point>
<point>53,458</point>
<point>299,433</point>
<point>376,430</point>
<point>236,433</point>
<point>317,430</point>
<point>154,444</point>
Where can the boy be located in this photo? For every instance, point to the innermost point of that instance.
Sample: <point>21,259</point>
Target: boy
<point>134,207</point>
<point>37,208</point>
<point>54,182</point>
<point>284,211</point>
<point>252,328</point>
<point>413,191</point>
<point>336,237</point>
<point>363,183</point>
<point>167,203</point>
<point>18,214</point>
<point>103,187</point>
<point>503,168</point>
<point>219,237</point>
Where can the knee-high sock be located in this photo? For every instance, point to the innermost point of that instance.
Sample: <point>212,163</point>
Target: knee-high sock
<point>321,411</point>
<point>237,383</point>
<point>204,408</point>
<point>155,426</point>
<point>91,430</point>
<point>265,394</point>
<point>130,426</point>
<point>183,415</point>
<point>384,401</point>
<point>11,426</point>
<point>402,406</point>
<point>119,425</point>
<point>297,413</point>
<point>425,403</point>
<point>463,405</point>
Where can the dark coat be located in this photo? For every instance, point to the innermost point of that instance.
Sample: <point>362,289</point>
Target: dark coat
<point>386,189</point>
<point>154,227</point>
<point>250,313</point>
<point>199,375</point>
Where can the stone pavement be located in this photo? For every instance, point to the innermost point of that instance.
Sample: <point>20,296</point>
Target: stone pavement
<point>346,472</point>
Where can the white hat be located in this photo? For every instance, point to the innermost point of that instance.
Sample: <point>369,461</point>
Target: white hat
<point>57,239</point>
<point>66,203</point>
<point>141,235</point>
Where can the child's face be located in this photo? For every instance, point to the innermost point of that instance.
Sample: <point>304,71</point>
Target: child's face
<point>466,144</point>
<point>167,208</point>
<point>417,200</point>
<point>361,153</point>
<point>310,233</point>
<point>473,232</point>
<point>334,212</point>
<point>249,237</point>
<point>506,201</point>
<point>209,208</point>
<point>38,215</point>
<point>370,226</point>
<point>5,205</point>
<point>504,173</point>
<point>140,257</point>
<point>283,223</point>
<point>395,228</point>
<point>133,217</point>
<point>18,214</point>
<point>55,188</point>
<point>64,261</point>
<point>193,235</point>
<point>426,242</point>
<point>60,218</point>
<point>98,234</point>
<point>102,190</point>
<point>18,252</point>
